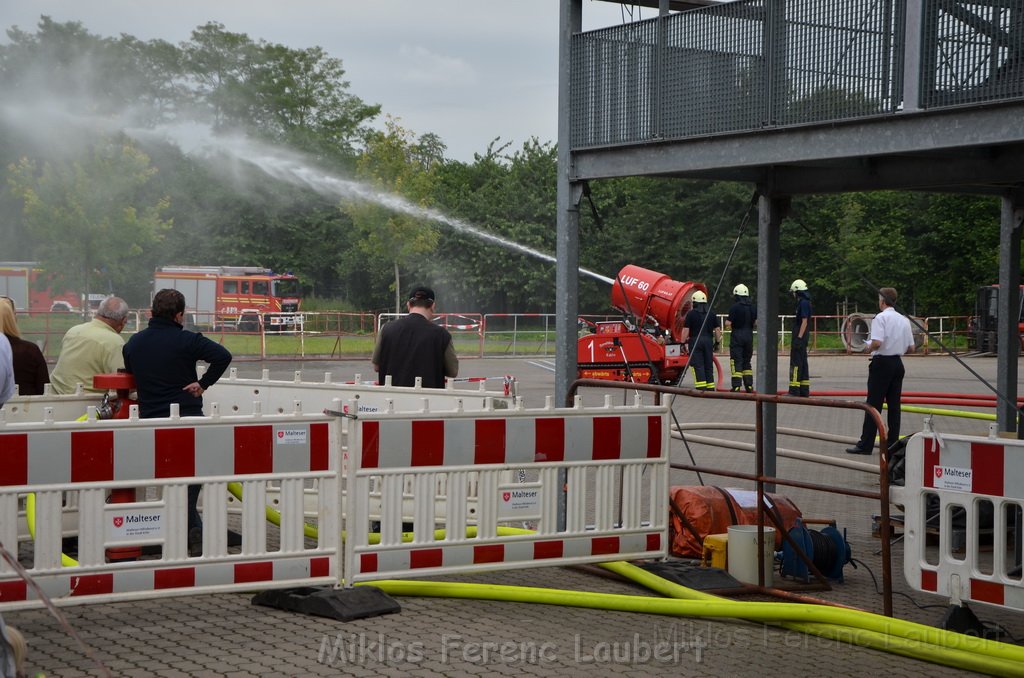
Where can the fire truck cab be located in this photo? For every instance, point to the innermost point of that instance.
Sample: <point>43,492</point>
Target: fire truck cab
<point>983,327</point>
<point>26,283</point>
<point>234,297</point>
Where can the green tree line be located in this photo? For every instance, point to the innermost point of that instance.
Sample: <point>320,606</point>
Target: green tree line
<point>95,192</point>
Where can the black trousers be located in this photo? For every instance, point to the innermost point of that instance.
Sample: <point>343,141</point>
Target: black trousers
<point>741,351</point>
<point>702,360</point>
<point>885,384</point>
<point>799,371</point>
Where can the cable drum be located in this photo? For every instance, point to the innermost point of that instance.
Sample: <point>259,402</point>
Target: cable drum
<point>825,551</point>
<point>856,331</point>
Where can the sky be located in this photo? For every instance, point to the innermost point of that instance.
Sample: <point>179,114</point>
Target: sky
<point>466,70</point>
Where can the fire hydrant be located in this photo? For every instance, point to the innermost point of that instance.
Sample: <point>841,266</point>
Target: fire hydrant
<point>118,408</point>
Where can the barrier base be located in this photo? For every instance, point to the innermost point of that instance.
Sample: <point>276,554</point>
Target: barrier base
<point>691,575</point>
<point>961,619</point>
<point>359,602</point>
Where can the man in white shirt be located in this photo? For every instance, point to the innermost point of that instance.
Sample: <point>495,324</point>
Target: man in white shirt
<point>891,337</point>
<point>6,370</point>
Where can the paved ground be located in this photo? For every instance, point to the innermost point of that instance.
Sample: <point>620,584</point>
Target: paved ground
<point>224,635</point>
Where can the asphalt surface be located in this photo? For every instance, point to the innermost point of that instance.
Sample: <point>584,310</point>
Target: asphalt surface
<point>225,635</point>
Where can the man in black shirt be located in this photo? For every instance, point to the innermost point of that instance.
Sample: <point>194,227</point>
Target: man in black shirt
<point>414,346</point>
<point>741,320</point>
<point>163,359</point>
<point>799,371</point>
<point>702,332</point>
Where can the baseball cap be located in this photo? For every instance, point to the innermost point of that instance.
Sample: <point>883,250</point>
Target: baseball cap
<point>421,293</point>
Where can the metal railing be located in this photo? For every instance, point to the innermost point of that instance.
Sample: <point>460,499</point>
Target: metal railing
<point>330,334</point>
<point>755,64</point>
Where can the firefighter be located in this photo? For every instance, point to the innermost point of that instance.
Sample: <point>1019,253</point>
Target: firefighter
<point>741,321</point>
<point>699,326</point>
<point>799,375</point>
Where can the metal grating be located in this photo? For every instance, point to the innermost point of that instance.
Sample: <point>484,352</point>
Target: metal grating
<point>755,64</point>
<point>971,51</point>
<point>619,66</point>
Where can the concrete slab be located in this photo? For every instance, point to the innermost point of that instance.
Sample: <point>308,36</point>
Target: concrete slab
<point>224,635</point>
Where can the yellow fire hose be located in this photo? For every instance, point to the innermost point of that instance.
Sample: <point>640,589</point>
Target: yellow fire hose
<point>822,620</point>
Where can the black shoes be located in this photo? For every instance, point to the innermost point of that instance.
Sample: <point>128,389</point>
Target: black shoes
<point>857,449</point>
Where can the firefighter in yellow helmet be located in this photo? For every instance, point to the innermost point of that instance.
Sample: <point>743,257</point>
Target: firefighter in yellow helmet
<point>701,329</point>
<point>799,374</point>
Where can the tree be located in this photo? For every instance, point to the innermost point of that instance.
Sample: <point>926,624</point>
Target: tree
<point>93,226</point>
<point>295,97</point>
<point>394,162</point>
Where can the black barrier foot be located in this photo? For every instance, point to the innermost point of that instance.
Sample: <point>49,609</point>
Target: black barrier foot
<point>359,602</point>
<point>961,619</point>
<point>692,575</point>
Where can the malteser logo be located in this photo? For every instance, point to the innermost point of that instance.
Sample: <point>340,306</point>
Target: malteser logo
<point>938,471</point>
<point>118,521</point>
<point>505,496</point>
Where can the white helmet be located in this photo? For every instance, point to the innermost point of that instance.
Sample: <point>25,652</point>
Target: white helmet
<point>798,286</point>
<point>741,290</point>
<point>699,297</point>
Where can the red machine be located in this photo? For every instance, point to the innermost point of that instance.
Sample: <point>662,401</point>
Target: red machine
<point>647,338</point>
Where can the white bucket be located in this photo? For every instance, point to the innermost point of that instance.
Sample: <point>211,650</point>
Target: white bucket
<point>742,552</point>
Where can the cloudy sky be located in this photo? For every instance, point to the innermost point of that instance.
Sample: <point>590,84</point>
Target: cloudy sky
<point>467,70</point>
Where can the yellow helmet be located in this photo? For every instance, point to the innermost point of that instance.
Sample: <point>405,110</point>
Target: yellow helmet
<point>699,297</point>
<point>798,286</point>
<point>741,290</point>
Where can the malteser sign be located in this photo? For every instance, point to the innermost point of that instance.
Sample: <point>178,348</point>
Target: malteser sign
<point>135,524</point>
<point>519,502</point>
<point>953,478</point>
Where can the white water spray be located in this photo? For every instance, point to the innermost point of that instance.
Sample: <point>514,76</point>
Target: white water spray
<point>292,168</point>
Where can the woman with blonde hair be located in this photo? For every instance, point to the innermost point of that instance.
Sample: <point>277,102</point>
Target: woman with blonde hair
<point>30,371</point>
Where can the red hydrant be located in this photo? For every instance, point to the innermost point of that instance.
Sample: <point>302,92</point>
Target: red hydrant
<point>118,408</point>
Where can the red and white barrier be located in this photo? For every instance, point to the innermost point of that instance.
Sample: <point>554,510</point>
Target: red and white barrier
<point>594,482</point>
<point>88,459</point>
<point>971,491</point>
<point>614,459</point>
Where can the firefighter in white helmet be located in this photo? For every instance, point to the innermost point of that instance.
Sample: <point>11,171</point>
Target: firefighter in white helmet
<point>799,372</point>
<point>703,332</point>
<point>741,321</point>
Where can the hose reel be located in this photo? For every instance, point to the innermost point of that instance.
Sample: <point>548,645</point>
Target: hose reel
<point>827,549</point>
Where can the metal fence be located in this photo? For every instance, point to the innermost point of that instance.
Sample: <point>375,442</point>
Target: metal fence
<point>757,64</point>
<point>971,51</point>
<point>335,335</point>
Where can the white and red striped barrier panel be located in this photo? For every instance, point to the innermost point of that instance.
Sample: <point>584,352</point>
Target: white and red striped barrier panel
<point>472,473</point>
<point>614,459</point>
<point>236,395</point>
<point>970,490</point>
<point>55,460</point>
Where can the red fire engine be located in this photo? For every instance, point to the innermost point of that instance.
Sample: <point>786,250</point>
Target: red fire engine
<point>25,283</point>
<point>645,345</point>
<point>237,297</point>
